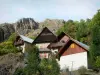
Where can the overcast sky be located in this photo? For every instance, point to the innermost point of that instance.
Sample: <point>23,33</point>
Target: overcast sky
<point>12,10</point>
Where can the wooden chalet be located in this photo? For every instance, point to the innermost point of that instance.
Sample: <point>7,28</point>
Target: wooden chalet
<point>61,40</point>
<point>22,42</point>
<point>43,40</point>
<point>72,54</point>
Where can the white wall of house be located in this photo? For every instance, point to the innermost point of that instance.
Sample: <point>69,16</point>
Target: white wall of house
<point>23,47</point>
<point>73,61</point>
<point>54,51</point>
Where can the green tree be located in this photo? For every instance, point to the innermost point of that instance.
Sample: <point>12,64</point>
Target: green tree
<point>82,31</point>
<point>7,46</point>
<point>49,67</point>
<point>69,28</point>
<point>95,38</point>
<point>33,61</point>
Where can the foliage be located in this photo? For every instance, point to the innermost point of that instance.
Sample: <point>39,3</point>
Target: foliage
<point>95,40</point>
<point>19,71</point>
<point>97,63</point>
<point>12,37</point>
<point>96,19</point>
<point>7,46</point>
<point>79,30</point>
<point>82,70</point>
<point>33,37</point>
<point>82,32</point>
<point>32,61</point>
<point>49,67</point>
<point>69,28</point>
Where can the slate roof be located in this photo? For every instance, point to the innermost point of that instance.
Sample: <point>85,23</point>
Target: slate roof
<point>26,39</point>
<point>56,44</point>
<point>81,44</point>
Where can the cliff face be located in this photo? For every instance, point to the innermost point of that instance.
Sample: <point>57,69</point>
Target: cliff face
<point>25,25</point>
<point>10,62</point>
<point>29,26</point>
<point>5,31</point>
<point>52,24</point>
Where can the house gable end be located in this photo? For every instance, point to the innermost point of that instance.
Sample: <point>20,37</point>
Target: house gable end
<point>71,48</point>
<point>46,36</point>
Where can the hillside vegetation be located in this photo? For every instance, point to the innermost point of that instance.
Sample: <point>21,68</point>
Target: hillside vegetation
<point>7,46</point>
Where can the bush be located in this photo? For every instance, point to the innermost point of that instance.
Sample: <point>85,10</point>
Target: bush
<point>33,61</point>
<point>97,63</point>
<point>12,37</point>
<point>49,67</point>
<point>19,72</point>
<point>7,46</point>
<point>82,70</point>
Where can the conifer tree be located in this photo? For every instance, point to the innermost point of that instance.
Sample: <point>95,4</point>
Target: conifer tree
<point>33,61</point>
<point>95,38</point>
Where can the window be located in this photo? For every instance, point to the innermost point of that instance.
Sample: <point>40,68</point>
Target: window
<point>72,45</point>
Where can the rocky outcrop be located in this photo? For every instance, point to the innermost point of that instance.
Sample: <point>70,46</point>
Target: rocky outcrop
<point>9,63</point>
<point>25,25</point>
<point>5,31</point>
<point>1,35</point>
<point>29,26</point>
<point>52,24</point>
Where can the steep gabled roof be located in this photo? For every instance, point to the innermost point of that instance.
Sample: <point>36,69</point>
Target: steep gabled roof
<point>20,39</point>
<point>81,44</point>
<point>63,48</point>
<point>46,36</point>
<point>26,39</point>
<point>63,34</point>
<point>56,43</point>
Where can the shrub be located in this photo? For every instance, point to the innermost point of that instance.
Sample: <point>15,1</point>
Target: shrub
<point>33,61</point>
<point>82,70</point>
<point>7,46</point>
<point>19,71</point>
<point>97,63</point>
<point>49,67</point>
<point>12,37</point>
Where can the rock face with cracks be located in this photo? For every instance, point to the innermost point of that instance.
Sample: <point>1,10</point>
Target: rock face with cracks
<point>25,25</point>
<point>29,26</point>
<point>5,31</point>
<point>10,62</point>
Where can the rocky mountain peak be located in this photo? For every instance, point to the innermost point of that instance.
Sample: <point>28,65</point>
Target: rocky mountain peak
<point>24,25</point>
<point>52,24</point>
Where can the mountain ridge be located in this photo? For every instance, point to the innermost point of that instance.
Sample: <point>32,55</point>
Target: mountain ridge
<point>29,27</point>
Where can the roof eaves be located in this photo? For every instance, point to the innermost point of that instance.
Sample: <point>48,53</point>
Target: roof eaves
<point>26,39</point>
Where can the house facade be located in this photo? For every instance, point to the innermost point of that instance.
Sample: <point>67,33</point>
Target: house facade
<point>22,43</point>
<point>61,40</point>
<point>72,53</point>
<point>43,40</point>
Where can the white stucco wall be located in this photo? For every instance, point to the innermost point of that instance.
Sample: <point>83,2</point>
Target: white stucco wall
<point>23,47</point>
<point>73,61</point>
<point>54,51</point>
